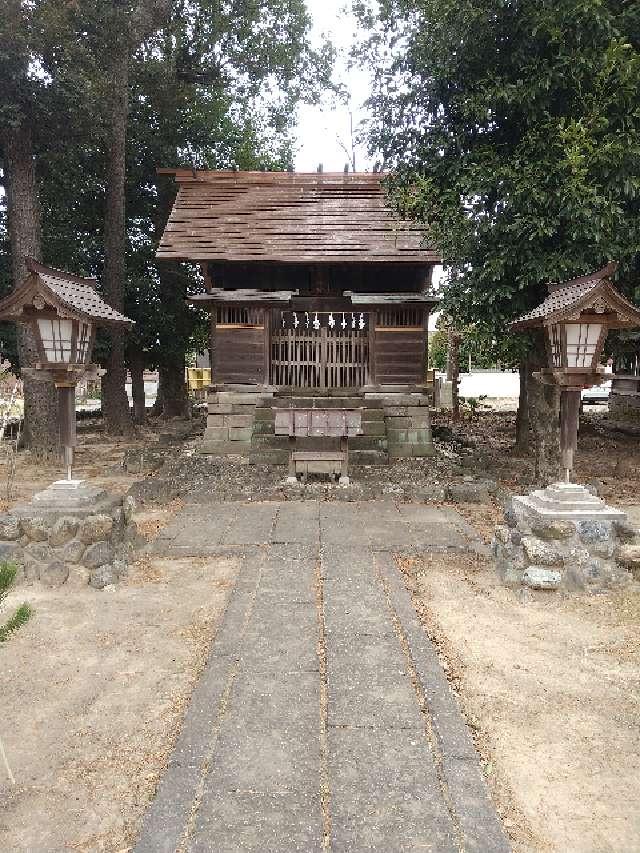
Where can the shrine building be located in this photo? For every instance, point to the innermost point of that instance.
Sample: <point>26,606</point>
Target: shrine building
<point>318,296</point>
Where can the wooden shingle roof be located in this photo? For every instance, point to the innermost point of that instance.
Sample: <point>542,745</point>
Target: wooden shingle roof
<point>592,292</point>
<point>68,294</point>
<point>287,217</point>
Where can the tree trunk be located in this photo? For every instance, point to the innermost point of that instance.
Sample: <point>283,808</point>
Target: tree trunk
<point>175,400</point>
<point>523,442</point>
<point>158,405</point>
<point>450,349</point>
<point>115,404</point>
<point>176,328</point>
<point>544,417</point>
<point>453,362</point>
<point>136,369</point>
<point>40,397</point>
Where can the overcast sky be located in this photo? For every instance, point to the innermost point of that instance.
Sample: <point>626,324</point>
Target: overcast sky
<point>321,127</point>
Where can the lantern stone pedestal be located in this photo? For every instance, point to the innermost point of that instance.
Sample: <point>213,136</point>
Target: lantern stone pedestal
<point>563,537</point>
<point>71,533</point>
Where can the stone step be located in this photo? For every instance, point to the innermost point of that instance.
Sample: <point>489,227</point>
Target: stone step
<point>410,450</point>
<point>318,403</point>
<point>223,448</point>
<point>368,442</point>
<point>269,456</point>
<point>269,441</point>
<point>368,457</point>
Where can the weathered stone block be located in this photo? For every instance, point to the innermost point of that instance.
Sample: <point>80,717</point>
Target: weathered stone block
<point>502,534</point>
<point>138,460</point>
<point>63,531</point>
<point>98,554</point>
<point>468,493</point>
<point>103,576</point>
<point>539,577</point>
<point>223,448</point>
<point>410,450</point>
<point>9,528</point>
<point>240,421</point>
<point>629,557</point>
<point>399,422</point>
<point>72,552</point>
<point>243,409</point>
<point>128,507</point>
<point>551,530</point>
<point>625,531</point>
<point>435,493</point>
<point>95,528</point>
<point>39,551</point>
<point>590,530</point>
<point>540,553</point>
<point>35,529</point>
<point>374,428</point>
<point>239,433</point>
<point>237,398</point>
<point>7,550</point>
<point>215,421</point>
<point>216,434</point>
<point>220,409</point>
<point>54,574</point>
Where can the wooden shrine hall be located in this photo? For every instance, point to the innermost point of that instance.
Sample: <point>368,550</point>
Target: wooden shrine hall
<point>314,287</point>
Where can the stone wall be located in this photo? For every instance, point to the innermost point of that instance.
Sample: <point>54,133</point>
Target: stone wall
<point>590,555</point>
<point>54,549</point>
<point>230,421</point>
<point>409,429</point>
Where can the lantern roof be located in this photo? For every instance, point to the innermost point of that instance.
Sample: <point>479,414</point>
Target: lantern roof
<point>69,295</point>
<point>593,293</point>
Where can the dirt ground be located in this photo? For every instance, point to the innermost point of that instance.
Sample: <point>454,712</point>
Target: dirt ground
<point>93,690</point>
<point>551,688</point>
<point>94,687</point>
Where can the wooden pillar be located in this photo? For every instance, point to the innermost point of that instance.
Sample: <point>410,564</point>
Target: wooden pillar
<point>425,326</point>
<point>373,316</point>
<point>213,315</point>
<point>266,321</point>
<point>569,419</point>
<point>67,422</point>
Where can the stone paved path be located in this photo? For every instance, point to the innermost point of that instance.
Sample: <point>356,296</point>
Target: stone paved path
<point>323,720</point>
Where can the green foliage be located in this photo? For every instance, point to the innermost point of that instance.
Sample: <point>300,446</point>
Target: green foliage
<point>211,84</point>
<point>23,613</point>
<point>438,349</point>
<point>514,130</point>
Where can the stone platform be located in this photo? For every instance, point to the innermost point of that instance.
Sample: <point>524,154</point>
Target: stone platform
<point>564,537</point>
<point>71,531</point>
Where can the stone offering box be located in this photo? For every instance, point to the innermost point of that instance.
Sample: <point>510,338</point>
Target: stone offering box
<point>563,537</point>
<point>71,532</point>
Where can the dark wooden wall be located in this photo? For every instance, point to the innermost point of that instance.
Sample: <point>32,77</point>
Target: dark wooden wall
<point>399,356</point>
<point>240,354</point>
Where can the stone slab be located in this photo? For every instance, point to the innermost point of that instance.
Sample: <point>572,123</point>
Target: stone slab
<point>297,522</point>
<point>238,821</point>
<point>251,524</point>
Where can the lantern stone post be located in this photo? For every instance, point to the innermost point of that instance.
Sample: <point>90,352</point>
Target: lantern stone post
<point>63,312</point>
<point>563,535</point>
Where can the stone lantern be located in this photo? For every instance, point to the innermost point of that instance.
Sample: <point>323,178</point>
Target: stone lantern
<point>62,312</point>
<point>563,535</point>
<point>576,317</point>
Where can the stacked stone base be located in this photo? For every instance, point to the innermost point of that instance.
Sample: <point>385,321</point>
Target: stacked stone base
<point>241,422</point>
<point>66,546</point>
<point>548,553</point>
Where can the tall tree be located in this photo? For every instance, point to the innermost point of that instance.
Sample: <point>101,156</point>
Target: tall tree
<point>19,89</point>
<point>515,132</point>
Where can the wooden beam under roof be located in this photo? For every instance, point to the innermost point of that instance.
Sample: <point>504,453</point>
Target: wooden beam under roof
<point>219,296</point>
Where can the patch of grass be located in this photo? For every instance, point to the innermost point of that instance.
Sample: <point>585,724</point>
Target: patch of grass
<point>8,573</point>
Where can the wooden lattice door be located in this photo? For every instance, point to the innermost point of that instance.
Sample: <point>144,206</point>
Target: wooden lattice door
<point>319,358</point>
